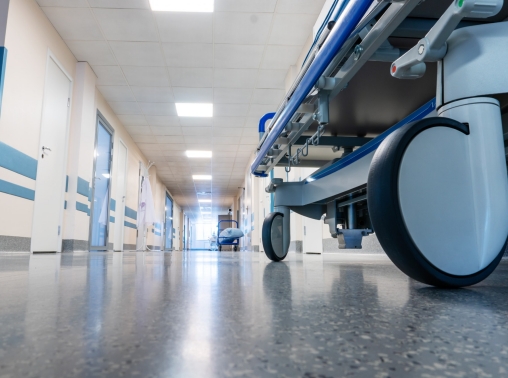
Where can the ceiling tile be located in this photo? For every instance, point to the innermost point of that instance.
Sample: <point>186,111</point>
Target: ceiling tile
<point>196,139</point>
<point>132,120</point>
<point>146,76</point>
<point>163,121</point>
<point>238,56</point>
<point>197,131</point>
<point>166,130</point>
<point>227,131</point>
<point>242,28</point>
<point>234,78</point>
<point>245,5</point>
<point>109,75</point>
<point>188,54</point>
<point>291,29</point>
<point>300,6</point>
<point>280,57</point>
<point>184,27</point>
<point>125,108</point>
<point>231,110</point>
<point>228,121</point>
<point>195,122</point>
<point>146,54</point>
<point>144,139</point>
<point>173,153</point>
<point>242,152</point>
<point>250,132</point>
<point>170,139</point>
<point>153,94</point>
<point>139,130</point>
<point>271,79</point>
<point>191,77</point>
<point>158,108</point>
<point>268,96</point>
<point>116,93</point>
<point>258,110</point>
<point>127,24</point>
<point>232,95</point>
<point>183,94</point>
<point>226,139</point>
<point>141,4</point>
<point>74,23</point>
<point>96,53</point>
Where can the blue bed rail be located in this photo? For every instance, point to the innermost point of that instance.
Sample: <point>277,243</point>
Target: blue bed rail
<point>346,24</point>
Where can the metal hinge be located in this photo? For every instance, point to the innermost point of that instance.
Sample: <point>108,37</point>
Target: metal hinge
<point>69,102</point>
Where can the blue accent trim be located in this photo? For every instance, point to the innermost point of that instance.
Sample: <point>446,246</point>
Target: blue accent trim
<point>112,219</point>
<point>84,188</point>
<point>17,161</point>
<point>16,190</point>
<point>3,63</point>
<point>131,213</point>
<point>366,149</point>
<point>66,183</point>
<point>346,24</point>
<point>129,224</point>
<point>112,205</point>
<point>263,120</point>
<point>83,208</point>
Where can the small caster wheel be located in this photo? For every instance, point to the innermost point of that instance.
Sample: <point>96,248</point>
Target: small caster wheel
<point>272,233</point>
<point>235,248</point>
<point>220,248</point>
<point>434,214</point>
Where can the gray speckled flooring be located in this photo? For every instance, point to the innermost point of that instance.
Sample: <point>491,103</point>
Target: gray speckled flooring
<point>205,314</point>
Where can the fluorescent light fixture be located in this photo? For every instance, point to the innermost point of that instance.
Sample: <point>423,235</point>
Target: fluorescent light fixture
<point>201,177</point>
<point>204,200</point>
<point>194,109</point>
<point>198,154</point>
<point>182,5</point>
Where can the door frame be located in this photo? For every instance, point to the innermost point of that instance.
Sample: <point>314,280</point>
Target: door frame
<point>172,220</point>
<point>51,56</point>
<point>111,130</point>
<point>121,142</point>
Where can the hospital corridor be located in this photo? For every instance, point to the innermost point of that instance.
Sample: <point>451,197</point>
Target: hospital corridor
<point>253,188</point>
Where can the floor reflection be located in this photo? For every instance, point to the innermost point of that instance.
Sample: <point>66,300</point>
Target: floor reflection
<point>210,314</point>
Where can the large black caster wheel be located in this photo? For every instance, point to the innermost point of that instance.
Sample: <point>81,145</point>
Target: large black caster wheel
<point>272,237</point>
<point>430,214</point>
<point>220,248</point>
<point>235,248</point>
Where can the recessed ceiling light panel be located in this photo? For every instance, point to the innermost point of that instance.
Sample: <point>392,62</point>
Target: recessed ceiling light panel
<point>198,154</point>
<point>194,109</point>
<point>202,177</point>
<point>205,200</point>
<point>182,5</point>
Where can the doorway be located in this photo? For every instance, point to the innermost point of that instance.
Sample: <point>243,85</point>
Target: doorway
<point>168,224</point>
<point>121,187</point>
<point>101,186</point>
<point>52,162</point>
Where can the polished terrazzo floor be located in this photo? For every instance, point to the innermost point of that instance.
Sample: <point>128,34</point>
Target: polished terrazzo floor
<point>209,314</point>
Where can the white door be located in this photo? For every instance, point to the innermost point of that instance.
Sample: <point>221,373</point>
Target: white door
<point>121,186</point>
<point>52,161</point>
<point>312,235</point>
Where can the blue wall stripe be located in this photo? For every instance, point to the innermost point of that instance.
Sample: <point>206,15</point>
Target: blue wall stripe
<point>66,183</point>
<point>112,205</point>
<point>129,224</point>
<point>16,190</point>
<point>65,205</point>
<point>83,208</point>
<point>17,161</point>
<point>112,219</point>
<point>131,213</point>
<point>3,63</point>
<point>83,187</point>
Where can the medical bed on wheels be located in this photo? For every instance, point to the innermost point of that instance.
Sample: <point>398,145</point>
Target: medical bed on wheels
<point>433,187</point>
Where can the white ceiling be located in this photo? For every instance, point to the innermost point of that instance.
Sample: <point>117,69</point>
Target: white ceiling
<point>236,57</point>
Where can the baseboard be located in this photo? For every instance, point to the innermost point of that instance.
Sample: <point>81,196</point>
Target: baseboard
<point>296,246</point>
<point>14,244</point>
<point>129,247</point>
<point>73,245</point>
